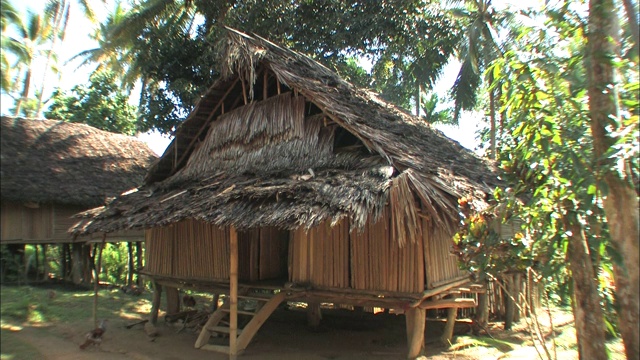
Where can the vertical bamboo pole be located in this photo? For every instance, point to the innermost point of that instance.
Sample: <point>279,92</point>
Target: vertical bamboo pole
<point>233,293</point>
<point>96,283</point>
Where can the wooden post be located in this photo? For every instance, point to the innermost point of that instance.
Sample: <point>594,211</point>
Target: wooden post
<point>314,315</point>
<point>415,318</point>
<point>155,303</point>
<point>509,305</point>
<point>233,293</point>
<point>45,269</point>
<point>139,263</point>
<point>173,300</point>
<point>37,261</point>
<point>77,263</point>
<point>129,264</point>
<point>214,304</point>
<point>97,282</point>
<point>447,335</point>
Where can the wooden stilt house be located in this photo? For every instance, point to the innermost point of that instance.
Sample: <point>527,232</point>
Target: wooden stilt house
<point>51,170</point>
<point>286,182</point>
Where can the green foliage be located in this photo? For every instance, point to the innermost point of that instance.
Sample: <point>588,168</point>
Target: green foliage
<point>173,45</point>
<point>549,163</point>
<point>100,104</point>
<point>114,263</point>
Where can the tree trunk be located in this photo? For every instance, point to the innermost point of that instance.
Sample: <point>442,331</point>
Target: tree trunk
<point>633,22</point>
<point>589,319</point>
<point>620,201</point>
<point>25,92</point>
<point>492,115</point>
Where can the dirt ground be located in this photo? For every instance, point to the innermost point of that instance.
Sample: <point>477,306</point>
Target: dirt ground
<point>342,335</point>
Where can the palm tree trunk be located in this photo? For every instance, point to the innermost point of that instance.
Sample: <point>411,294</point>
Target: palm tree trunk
<point>25,92</point>
<point>620,203</point>
<point>59,27</point>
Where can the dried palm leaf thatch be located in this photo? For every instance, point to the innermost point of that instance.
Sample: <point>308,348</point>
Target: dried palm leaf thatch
<point>272,162</point>
<point>47,161</point>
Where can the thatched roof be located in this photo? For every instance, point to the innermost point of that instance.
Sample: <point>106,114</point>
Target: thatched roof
<point>46,161</point>
<point>276,161</point>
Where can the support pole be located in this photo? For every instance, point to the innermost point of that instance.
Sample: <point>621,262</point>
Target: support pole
<point>233,294</point>
<point>97,282</point>
<point>155,303</point>
<point>447,335</point>
<point>415,318</point>
<point>314,314</point>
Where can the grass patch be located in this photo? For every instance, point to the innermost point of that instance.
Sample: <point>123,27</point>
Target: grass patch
<point>36,306</point>
<point>16,349</point>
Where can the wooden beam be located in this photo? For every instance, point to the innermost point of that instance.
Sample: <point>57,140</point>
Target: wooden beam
<point>204,126</point>
<point>438,290</point>
<point>97,282</point>
<point>448,303</point>
<point>233,293</point>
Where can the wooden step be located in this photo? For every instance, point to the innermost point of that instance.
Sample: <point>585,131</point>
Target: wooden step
<point>222,329</point>
<point>259,298</point>
<point>217,348</point>
<point>241,312</point>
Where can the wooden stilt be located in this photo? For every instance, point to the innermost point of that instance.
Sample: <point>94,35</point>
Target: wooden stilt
<point>313,314</point>
<point>45,268</point>
<point>139,262</point>
<point>415,318</point>
<point>155,303</point>
<point>97,282</point>
<point>233,293</point>
<point>447,335</point>
<point>173,300</point>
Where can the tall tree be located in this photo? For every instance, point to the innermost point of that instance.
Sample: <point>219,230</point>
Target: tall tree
<point>57,14</point>
<point>614,169</point>
<point>9,16</point>
<point>478,48</point>
<point>100,104</point>
<point>33,35</point>
<point>411,40</point>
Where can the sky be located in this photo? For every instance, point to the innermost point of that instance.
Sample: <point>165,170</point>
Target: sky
<point>78,40</point>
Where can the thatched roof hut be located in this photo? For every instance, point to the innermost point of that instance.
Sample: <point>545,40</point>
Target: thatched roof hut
<point>48,161</point>
<point>225,167</point>
<point>47,164</point>
<point>309,179</point>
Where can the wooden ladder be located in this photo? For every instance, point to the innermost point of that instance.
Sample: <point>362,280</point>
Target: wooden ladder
<point>218,322</point>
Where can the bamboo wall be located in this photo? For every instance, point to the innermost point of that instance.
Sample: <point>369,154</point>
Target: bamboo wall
<point>380,264</point>
<point>193,249</point>
<point>323,256</point>
<point>320,256</point>
<point>441,264</point>
<point>48,223</point>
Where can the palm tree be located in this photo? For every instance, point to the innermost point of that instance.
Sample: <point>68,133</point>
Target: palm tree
<point>477,50</point>
<point>33,36</point>
<point>9,16</point>
<point>57,13</point>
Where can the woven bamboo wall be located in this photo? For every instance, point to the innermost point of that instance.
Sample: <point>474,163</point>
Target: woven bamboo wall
<point>441,264</point>
<point>20,223</point>
<point>320,256</point>
<point>378,263</point>
<point>193,249</point>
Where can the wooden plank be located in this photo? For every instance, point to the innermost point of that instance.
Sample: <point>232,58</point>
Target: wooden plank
<point>256,322</point>
<point>233,293</point>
